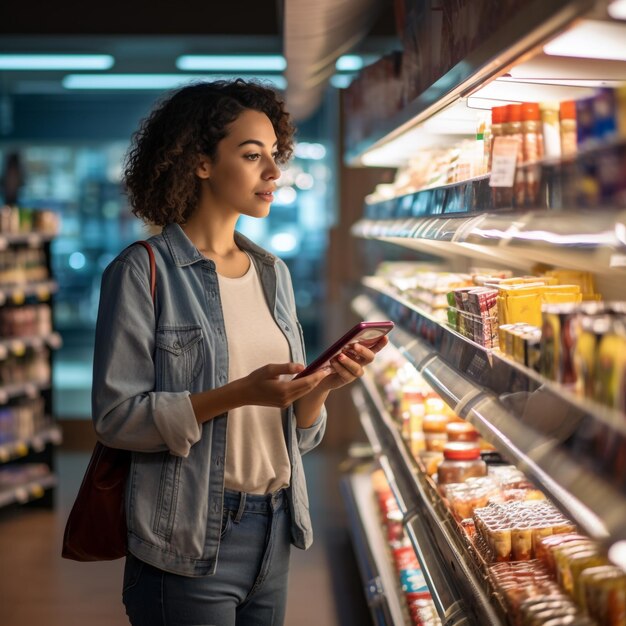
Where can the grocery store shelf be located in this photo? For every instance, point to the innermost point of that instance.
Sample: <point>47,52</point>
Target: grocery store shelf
<point>28,491</point>
<point>19,448</point>
<point>534,23</point>
<point>592,240</point>
<point>28,389</point>
<point>18,345</point>
<point>458,590</point>
<point>381,584</point>
<point>32,240</point>
<point>571,448</point>
<point>16,294</point>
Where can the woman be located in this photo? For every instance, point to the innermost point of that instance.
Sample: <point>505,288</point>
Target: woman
<point>199,384</point>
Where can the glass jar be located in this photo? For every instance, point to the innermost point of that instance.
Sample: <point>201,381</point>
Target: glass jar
<point>461,431</point>
<point>461,460</point>
<point>435,431</point>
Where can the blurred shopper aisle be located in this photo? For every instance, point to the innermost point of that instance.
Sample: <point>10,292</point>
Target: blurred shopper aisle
<point>38,587</point>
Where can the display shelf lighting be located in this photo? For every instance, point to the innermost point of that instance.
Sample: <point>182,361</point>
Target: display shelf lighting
<point>591,39</point>
<point>617,10</point>
<point>232,63</point>
<point>45,62</point>
<point>507,90</point>
<point>353,62</point>
<point>154,81</point>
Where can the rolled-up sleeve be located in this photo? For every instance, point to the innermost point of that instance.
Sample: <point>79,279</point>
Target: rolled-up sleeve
<point>127,411</point>
<point>311,437</point>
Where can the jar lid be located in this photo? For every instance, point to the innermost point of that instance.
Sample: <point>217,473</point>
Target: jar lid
<point>435,423</point>
<point>461,451</point>
<point>462,429</point>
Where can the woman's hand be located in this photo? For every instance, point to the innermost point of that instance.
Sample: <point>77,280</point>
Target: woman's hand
<point>348,366</point>
<point>270,385</point>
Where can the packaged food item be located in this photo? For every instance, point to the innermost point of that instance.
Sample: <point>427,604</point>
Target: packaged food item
<point>592,329</point>
<point>558,339</point>
<point>497,128</point>
<point>435,437</point>
<point>544,549</point>
<point>604,110</point>
<point>551,129</point>
<point>569,128</point>
<point>584,123</point>
<point>603,594</point>
<point>532,151</point>
<point>461,431</point>
<point>620,99</point>
<point>519,304</point>
<point>610,366</point>
<point>461,461</point>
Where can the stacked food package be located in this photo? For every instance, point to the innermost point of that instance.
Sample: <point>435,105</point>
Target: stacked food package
<point>554,323</point>
<point>539,566</point>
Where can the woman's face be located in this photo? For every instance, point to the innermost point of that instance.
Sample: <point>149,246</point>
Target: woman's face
<point>242,176</point>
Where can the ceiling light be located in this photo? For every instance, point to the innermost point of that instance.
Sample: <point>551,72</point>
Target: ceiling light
<point>617,10</point>
<point>56,61</point>
<point>154,81</point>
<point>232,63</point>
<point>591,40</point>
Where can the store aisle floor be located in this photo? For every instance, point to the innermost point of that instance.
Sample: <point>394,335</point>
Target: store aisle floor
<point>37,587</point>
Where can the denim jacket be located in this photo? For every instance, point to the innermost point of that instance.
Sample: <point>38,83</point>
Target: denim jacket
<point>148,360</point>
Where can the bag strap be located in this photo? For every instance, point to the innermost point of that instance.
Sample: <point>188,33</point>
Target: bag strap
<point>148,247</point>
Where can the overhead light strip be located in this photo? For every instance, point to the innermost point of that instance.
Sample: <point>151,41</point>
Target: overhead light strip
<point>56,62</point>
<point>591,40</point>
<point>232,63</point>
<point>155,81</point>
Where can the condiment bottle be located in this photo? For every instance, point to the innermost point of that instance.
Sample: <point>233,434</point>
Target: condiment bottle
<point>551,129</point>
<point>497,129</point>
<point>532,150</point>
<point>513,129</point>
<point>569,142</point>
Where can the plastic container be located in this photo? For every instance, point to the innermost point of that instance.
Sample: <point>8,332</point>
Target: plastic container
<point>435,432</point>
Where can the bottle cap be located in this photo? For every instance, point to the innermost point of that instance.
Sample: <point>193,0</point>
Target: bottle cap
<point>514,112</point>
<point>497,115</point>
<point>530,111</point>
<point>568,110</point>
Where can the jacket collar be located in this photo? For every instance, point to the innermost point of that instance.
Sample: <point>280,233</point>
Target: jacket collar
<point>185,253</point>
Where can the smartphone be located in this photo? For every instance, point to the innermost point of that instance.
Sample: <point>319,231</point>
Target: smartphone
<point>366,333</point>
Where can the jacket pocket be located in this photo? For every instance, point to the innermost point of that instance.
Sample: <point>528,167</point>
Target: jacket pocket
<point>179,357</point>
<point>168,496</point>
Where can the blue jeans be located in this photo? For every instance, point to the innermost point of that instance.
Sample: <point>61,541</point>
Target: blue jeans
<point>249,587</point>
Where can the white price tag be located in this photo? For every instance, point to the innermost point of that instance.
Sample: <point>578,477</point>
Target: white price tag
<point>504,162</point>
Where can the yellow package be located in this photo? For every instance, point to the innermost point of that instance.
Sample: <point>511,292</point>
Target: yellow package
<point>574,277</point>
<point>520,304</point>
<point>561,294</point>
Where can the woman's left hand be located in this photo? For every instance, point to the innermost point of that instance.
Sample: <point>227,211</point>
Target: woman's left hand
<point>347,367</point>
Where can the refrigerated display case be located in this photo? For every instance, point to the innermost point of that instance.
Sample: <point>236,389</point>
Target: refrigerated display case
<point>573,448</point>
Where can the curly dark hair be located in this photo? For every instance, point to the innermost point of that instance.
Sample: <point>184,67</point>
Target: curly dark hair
<point>160,166</point>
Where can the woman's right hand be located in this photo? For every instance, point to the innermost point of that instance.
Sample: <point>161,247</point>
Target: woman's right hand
<point>270,385</point>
